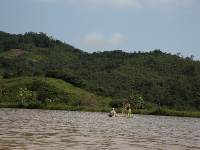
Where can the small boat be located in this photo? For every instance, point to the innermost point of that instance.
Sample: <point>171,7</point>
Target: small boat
<point>121,116</point>
<point>116,116</point>
<point>129,116</point>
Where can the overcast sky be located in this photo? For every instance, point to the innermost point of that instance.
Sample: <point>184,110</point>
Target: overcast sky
<point>173,26</point>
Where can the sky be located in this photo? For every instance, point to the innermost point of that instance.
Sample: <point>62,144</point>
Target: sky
<point>173,26</point>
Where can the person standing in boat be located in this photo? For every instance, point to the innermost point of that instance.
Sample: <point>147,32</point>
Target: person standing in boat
<point>128,107</point>
<point>112,112</point>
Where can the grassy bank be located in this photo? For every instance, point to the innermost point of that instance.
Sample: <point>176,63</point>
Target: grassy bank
<point>168,112</point>
<point>158,111</point>
<point>49,91</point>
<point>55,107</point>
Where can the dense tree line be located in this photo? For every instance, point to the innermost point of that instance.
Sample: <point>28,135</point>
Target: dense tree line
<point>161,78</point>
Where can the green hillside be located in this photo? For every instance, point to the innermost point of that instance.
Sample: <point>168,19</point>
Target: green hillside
<point>160,78</point>
<point>48,91</point>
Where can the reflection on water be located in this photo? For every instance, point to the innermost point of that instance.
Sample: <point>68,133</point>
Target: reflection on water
<point>56,129</point>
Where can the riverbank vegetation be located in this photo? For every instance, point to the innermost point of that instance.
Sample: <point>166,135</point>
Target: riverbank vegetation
<point>56,94</point>
<point>155,111</point>
<point>37,71</point>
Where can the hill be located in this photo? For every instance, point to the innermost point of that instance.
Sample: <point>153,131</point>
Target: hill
<point>48,91</point>
<point>160,78</point>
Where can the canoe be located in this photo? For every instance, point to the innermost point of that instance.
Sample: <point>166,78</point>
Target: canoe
<point>121,116</point>
<point>129,116</point>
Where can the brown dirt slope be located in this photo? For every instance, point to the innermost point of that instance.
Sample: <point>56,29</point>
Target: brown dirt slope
<point>17,52</point>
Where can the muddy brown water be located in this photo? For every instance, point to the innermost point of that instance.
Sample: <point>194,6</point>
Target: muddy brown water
<point>58,129</point>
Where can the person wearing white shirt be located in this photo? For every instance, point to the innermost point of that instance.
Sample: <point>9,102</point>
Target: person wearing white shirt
<point>112,112</point>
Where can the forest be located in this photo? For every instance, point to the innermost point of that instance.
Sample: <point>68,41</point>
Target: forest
<point>160,78</point>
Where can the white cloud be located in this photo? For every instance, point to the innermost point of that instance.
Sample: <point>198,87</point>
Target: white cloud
<point>140,3</point>
<point>120,3</point>
<point>167,6</point>
<point>170,2</point>
<point>97,40</point>
<point>134,3</point>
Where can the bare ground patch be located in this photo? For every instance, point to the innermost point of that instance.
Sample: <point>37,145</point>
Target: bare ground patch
<point>17,52</point>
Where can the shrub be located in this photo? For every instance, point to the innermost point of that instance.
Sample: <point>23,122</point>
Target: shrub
<point>118,103</point>
<point>89,100</point>
<point>38,73</point>
<point>161,111</point>
<point>34,104</point>
<point>8,76</point>
<point>137,101</point>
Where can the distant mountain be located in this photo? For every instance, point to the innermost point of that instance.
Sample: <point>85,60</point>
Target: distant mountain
<point>161,78</point>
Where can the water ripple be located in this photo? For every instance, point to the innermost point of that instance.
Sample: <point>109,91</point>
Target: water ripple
<point>56,129</point>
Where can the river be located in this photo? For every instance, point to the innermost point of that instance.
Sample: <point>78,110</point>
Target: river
<point>59,130</point>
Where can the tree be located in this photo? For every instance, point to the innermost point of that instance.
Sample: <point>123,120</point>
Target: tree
<point>136,101</point>
<point>38,73</point>
<point>53,73</point>
<point>20,70</point>
<point>27,95</point>
<point>8,76</point>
